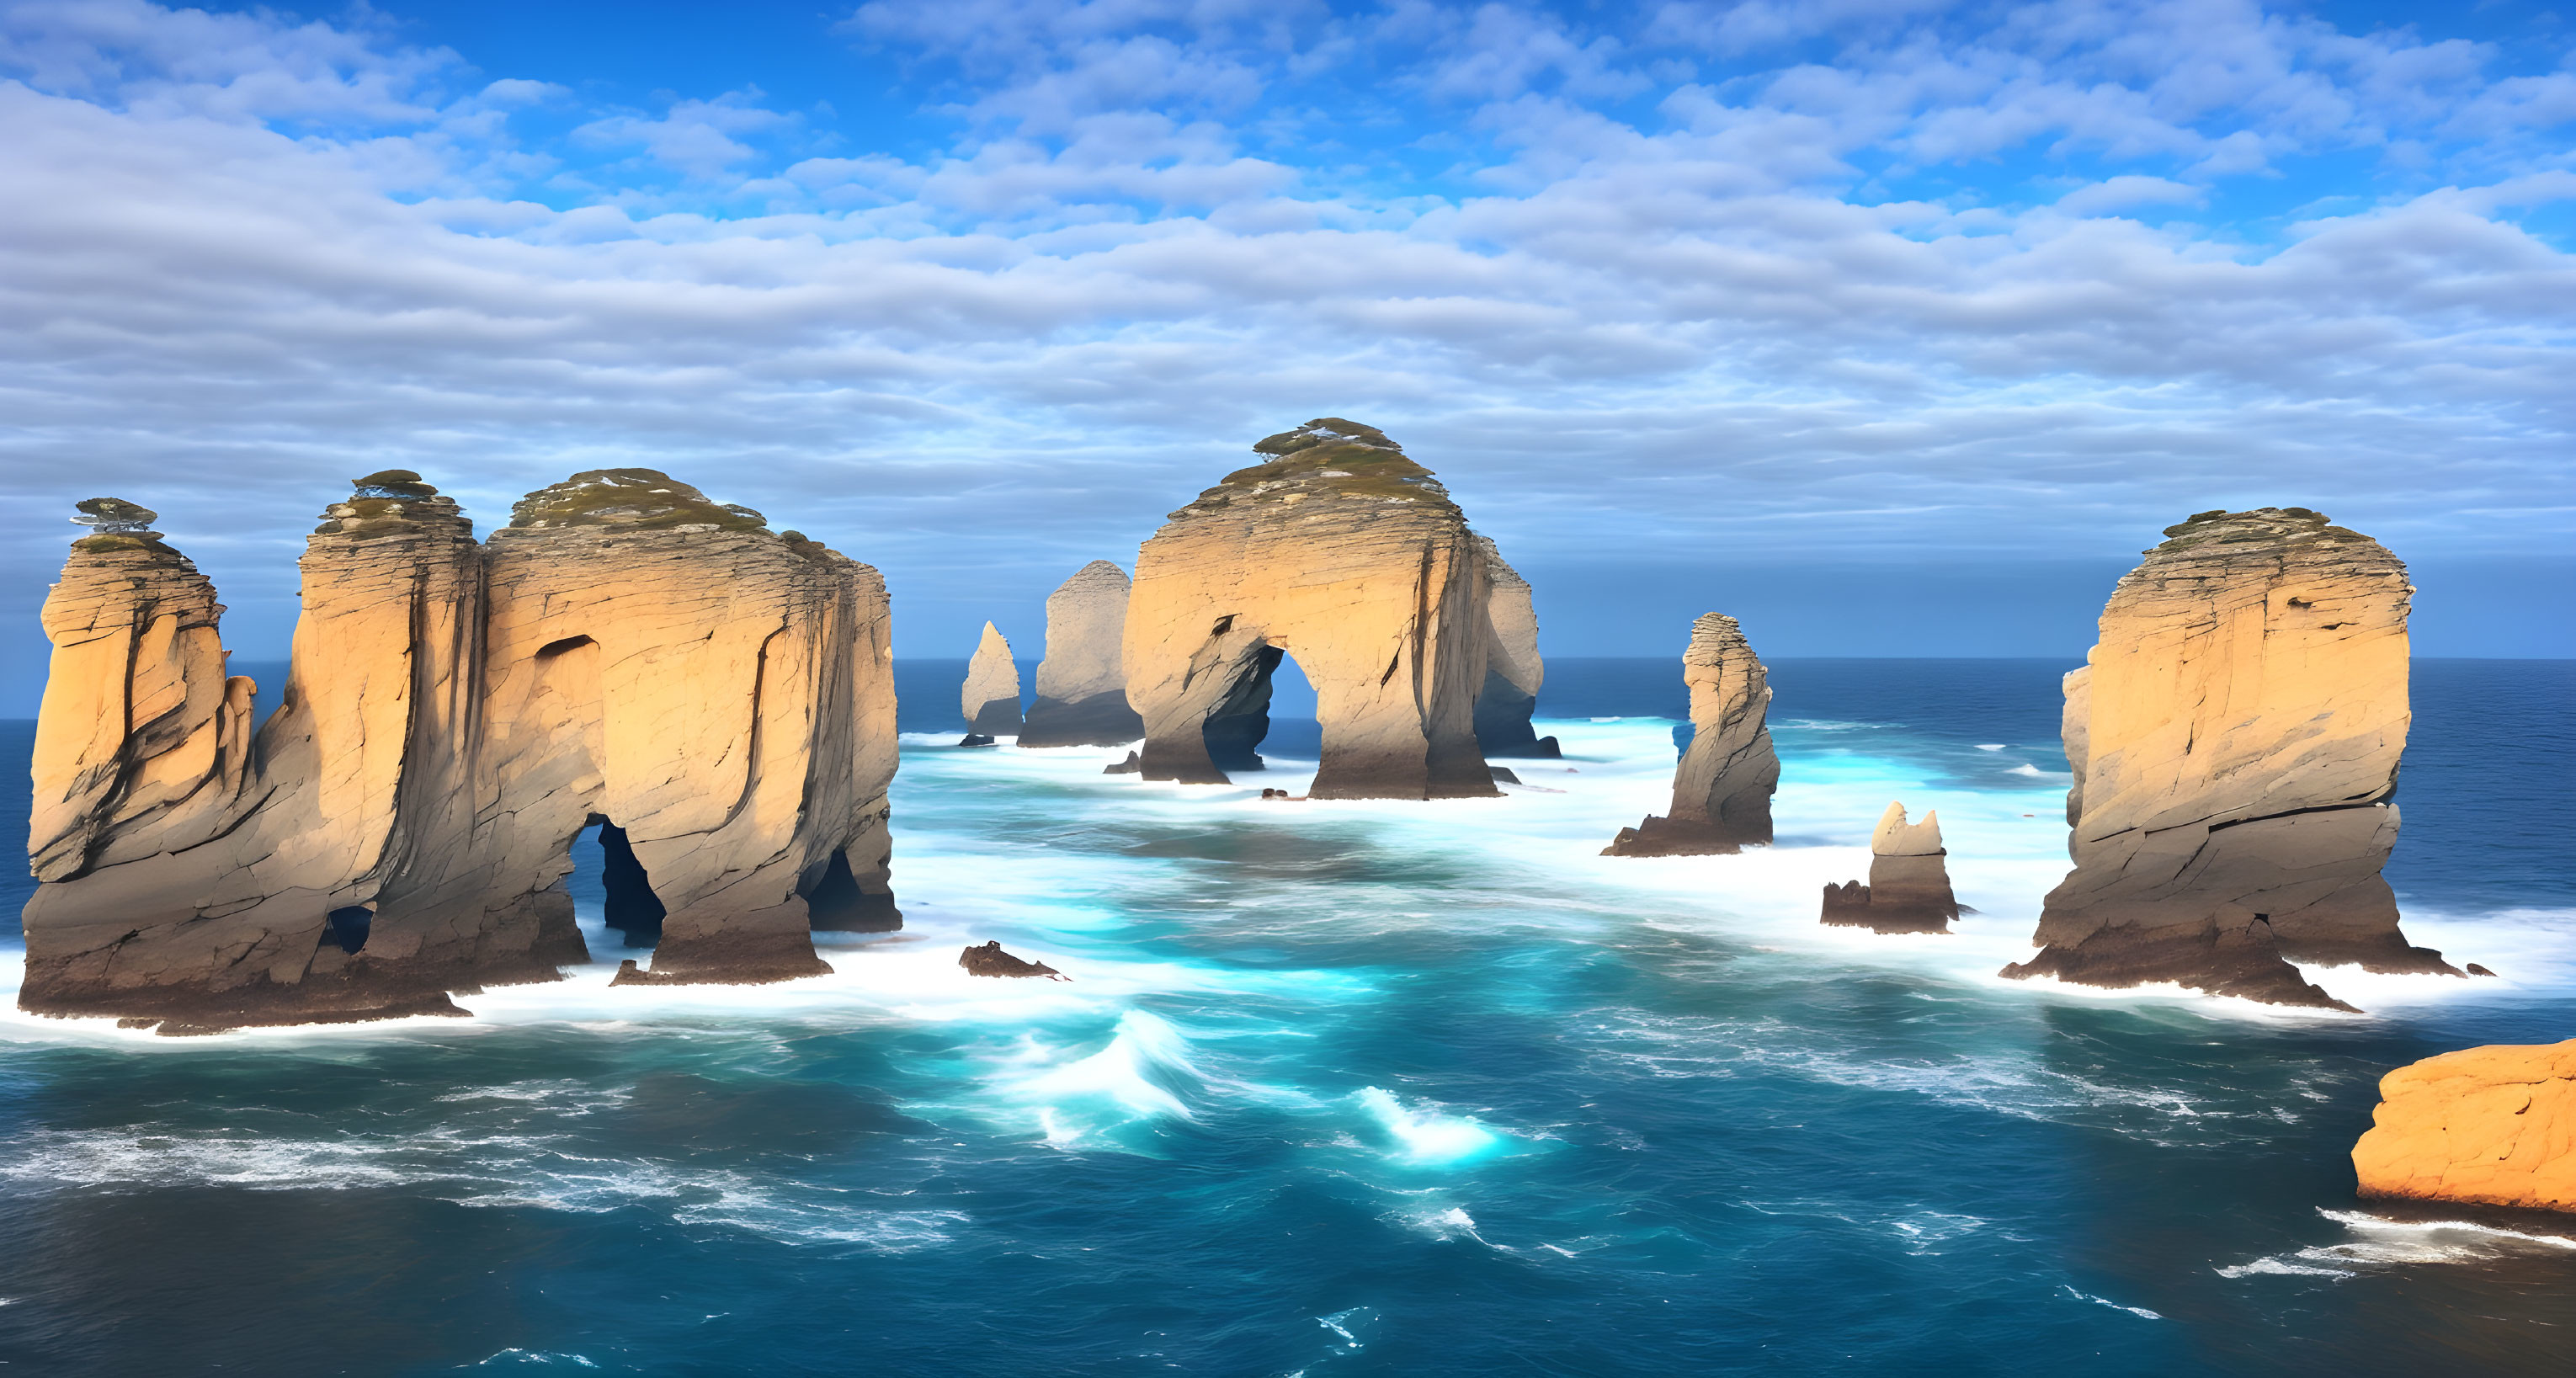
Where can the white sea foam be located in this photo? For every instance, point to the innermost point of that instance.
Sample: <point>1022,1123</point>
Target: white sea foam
<point>1426,1137</point>
<point>541,1358</point>
<point>2378,1241</point>
<point>2104,1301</point>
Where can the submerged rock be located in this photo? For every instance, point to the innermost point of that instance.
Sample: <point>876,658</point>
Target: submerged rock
<point>1722,788</point>
<point>2235,742</point>
<point>1341,551</point>
<point>1909,880</point>
<point>991,960</point>
<point>1133,765</point>
<point>1513,671</point>
<point>1082,683</point>
<point>450,723</point>
<point>991,695</point>
<point>2493,1125</point>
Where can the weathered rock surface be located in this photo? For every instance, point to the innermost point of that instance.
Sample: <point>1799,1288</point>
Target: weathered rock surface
<point>991,695</point>
<point>1909,880</point>
<point>2235,742</point>
<point>1513,671</point>
<point>1082,683</point>
<point>1341,551</point>
<point>990,960</point>
<point>1722,788</point>
<point>2493,1125</point>
<point>625,652</point>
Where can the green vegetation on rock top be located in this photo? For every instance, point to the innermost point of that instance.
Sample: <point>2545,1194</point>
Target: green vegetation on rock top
<point>646,498</point>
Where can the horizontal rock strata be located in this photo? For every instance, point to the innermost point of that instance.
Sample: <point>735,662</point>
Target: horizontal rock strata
<point>625,653</point>
<point>1723,785</point>
<point>1341,551</point>
<point>1909,880</point>
<point>1082,683</point>
<point>2493,1125</point>
<point>990,698</point>
<point>2235,741</point>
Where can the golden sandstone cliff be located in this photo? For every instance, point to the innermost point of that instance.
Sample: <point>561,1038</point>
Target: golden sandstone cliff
<point>2493,1125</point>
<point>1909,880</point>
<point>1340,551</point>
<point>624,652</point>
<point>1513,671</point>
<point>2235,742</point>
<point>1723,785</point>
<point>1082,682</point>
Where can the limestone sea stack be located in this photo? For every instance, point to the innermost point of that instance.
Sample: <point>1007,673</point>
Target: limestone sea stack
<point>1341,551</point>
<point>626,652</point>
<point>1082,683</point>
<point>2493,1125</point>
<point>1909,880</point>
<point>2235,740</point>
<point>1513,670</point>
<point>1722,788</point>
<point>991,696</point>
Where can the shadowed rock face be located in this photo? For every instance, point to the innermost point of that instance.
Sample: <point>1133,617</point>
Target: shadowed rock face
<point>991,696</point>
<point>1722,788</point>
<point>1513,670</point>
<point>2493,1125</point>
<point>1082,683</point>
<point>455,714</point>
<point>1909,880</point>
<point>1342,552</point>
<point>2235,742</point>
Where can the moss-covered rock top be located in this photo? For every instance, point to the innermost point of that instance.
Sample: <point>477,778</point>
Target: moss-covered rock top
<point>2259,526</point>
<point>390,502</point>
<point>645,499</point>
<point>1335,456</point>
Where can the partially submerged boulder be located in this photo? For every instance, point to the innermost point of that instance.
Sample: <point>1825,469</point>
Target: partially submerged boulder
<point>990,960</point>
<point>1723,785</point>
<point>990,697</point>
<point>1909,880</point>
<point>1082,683</point>
<point>2494,1125</point>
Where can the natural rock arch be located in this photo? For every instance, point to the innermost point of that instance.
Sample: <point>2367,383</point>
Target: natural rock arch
<point>1343,551</point>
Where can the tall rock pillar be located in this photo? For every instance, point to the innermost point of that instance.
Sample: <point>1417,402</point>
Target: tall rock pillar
<point>1723,785</point>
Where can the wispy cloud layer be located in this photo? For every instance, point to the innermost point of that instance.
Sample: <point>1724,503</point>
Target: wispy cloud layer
<point>1796,282</point>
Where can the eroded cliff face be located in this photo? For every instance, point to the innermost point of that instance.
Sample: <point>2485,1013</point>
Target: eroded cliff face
<point>1909,880</point>
<point>990,698</point>
<point>2493,1125</point>
<point>1340,551</point>
<point>1513,671</point>
<point>2235,742</point>
<point>1082,683</point>
<point>456,713</point>
<point>1722,788</point>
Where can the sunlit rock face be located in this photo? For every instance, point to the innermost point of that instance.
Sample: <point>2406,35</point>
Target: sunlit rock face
<point>1722,788</point>
<point>1909,880</point>
<point>990,698</point>
<point>2235,741</point>
<point>1082,683</point>
<point>624,652</point>
<point>1513,671</point>
<point>2493,1125</point>
<point>1342,552</point>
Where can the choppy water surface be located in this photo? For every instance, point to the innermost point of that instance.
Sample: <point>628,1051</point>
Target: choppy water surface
<point>1352,1088</point>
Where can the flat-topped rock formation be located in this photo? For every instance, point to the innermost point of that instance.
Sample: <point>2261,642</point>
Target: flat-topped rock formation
<point>1909,880</point>
<point>2235,740</point>
<point>1341,551</point>
<point>990,697</point>
<point>2493,1125</point>
<point>1082,683</point>
<point>1722,788</point>
<point>1513,670</point>
<point>625,652</point>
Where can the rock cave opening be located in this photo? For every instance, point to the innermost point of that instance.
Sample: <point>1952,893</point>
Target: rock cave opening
<point>1273,705</point>
<point>836,903</point>
<point>627,901</point>
<point>349,925</point>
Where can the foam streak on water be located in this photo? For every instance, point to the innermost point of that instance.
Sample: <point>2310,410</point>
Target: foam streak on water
<point>1349,1087</point>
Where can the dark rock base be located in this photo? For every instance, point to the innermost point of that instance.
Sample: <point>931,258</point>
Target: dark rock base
<point>1100,720</point>
<point>1661,836</point>
<point>2241,961</point>
<point>1854,905</point>
<point>726,959</point>
<point>991,960</point>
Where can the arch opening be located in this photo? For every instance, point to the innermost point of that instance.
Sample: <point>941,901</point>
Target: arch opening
<point>349,926</point>
<point>627,901</point>
<point>1234,729</point>
<point>835,902</point>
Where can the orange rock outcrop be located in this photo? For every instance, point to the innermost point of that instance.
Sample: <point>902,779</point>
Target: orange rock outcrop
<point>2235,740</point>
<point>2493,1125</point>
<point>1909,880</point>
<point>624,652</point>
<point>1723,785</point>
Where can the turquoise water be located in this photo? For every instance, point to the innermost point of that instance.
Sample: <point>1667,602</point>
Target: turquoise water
<point>1353,1088</point>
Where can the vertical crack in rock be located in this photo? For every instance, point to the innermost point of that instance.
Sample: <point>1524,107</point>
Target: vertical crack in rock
<point>1513,671</point>
<point>1723,785</point>
<point>2235,740</point>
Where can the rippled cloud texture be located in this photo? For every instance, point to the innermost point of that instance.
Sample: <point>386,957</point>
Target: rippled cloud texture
<point>1687,292</point>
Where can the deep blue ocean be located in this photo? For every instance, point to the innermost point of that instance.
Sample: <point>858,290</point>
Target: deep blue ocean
<point>1354,1088</point>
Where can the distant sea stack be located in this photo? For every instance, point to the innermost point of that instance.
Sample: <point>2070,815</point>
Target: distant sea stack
<point>1513,670</point>
<point>625,652</point>
<point>1082,683</point>
<point>2493,1125</point>
<point>1722,788</point>
<point>1909,880</point>
<point>991,696</point>
<point>1341,551</point>
<point>2235,741</point>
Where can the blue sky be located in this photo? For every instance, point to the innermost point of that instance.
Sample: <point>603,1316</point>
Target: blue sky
<point>1892,326</point>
